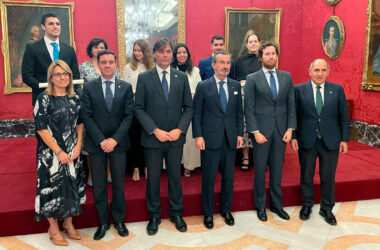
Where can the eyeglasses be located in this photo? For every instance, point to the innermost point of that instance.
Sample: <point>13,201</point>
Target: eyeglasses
<point>59,75</point>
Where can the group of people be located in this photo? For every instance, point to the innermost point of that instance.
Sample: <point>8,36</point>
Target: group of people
<point>168,111</point>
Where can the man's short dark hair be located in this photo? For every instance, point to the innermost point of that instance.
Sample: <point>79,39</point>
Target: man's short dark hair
<point>217,37</point>
<point>265,45</point>
<point>160,44</point>
<point>220,53</point>
<point>46,16</point>
<point>94,42</point>
<point>106,52</point>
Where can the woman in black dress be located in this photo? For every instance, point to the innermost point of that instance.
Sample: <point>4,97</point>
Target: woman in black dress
<point>246,64</point>
<point>60,187</point>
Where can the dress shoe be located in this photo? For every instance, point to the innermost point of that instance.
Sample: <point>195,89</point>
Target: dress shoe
<point>281,213</point>
<point>72,233</point>
<point>101,231</point>
<point>208,221</point>
<point>180,224</point>
<point>329,216</point>
<point>55,240</point>
<point>262,214</point>
<point>305,212</point>
<point>228,218</point>
<point>152,227</point>
<point>121,229</point>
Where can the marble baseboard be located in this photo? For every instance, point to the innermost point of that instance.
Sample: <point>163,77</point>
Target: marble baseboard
<point>365,133</point>
<point>17,128</point>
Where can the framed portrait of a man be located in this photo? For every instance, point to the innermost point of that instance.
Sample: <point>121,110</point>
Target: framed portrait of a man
<point>240,22</point>
<point>333,37</point>
<point>21,24</point>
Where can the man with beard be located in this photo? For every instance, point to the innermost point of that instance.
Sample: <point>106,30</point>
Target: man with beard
<point>270,115</point>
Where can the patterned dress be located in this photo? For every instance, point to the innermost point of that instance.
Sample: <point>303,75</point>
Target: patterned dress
<point>88,72</point>
<point>60,187</point>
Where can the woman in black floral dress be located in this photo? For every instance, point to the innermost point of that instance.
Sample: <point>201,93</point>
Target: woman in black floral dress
<point>60,187</point>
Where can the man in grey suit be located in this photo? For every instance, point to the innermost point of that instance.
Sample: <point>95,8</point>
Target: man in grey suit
<point>107,110</point>
<point>322,132</point>
<point>270,115</point>
<point>163,106</point>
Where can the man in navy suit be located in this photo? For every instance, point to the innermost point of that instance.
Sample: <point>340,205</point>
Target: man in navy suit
<point>218,131</point>
<point>205,65</point>
<point>322,133</point>
<point>39,55</point>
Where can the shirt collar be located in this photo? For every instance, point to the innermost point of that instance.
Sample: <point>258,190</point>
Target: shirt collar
<point>315,85</point>
<point>267,70</point>
<point>48,41</point>
<point>159,70</point>
<point>104,80</point>
<point>219,80</point>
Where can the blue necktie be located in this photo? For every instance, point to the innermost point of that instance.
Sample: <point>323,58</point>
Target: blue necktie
<point>273,87</point>
<point>165,85</point>
<point>223,96</point>
<point>55,51</point>
<point>109,96</point>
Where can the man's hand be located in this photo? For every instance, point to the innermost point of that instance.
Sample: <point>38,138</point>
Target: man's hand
<point>108,145</point>
<point>259,137</point>
<point>287,136</point>
<point>240,142</point>
<point>343,147</point>
<point>294,144</point>
<point>161,135</point>
<point>174,134</point>
<point>200,143</point>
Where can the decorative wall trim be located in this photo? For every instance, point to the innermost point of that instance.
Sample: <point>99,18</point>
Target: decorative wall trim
<point>17,128</point>
<point>366,133</point>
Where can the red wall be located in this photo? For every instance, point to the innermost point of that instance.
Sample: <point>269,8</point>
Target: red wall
<point>302,22</point>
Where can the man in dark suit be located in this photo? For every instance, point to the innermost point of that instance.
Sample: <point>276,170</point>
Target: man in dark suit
<point>163,106</point>
<point>270,115</point>
<point>322,132</point>
<point>39,55</point>
<point>107,110</point>
<point>205,65</point>
<point>218,131</point>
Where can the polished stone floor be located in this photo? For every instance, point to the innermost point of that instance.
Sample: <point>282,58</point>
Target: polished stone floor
<point>358,228</point>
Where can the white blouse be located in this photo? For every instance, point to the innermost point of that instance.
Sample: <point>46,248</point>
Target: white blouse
<point>130,75</point>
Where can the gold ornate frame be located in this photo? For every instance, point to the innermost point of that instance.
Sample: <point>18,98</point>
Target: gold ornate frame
<point>369,81</point>
<point>121,29</point>
<point>342,37</point>
<point>332,2</point>
<point>5,43</point>
<point>250,11</point>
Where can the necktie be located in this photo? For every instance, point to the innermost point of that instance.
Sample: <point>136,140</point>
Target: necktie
<point>319,106</point>
<point>55,51</point>
<point>165,85</point>
<point>109,96</point>
<point>273,87</point>
<point>223,96</point>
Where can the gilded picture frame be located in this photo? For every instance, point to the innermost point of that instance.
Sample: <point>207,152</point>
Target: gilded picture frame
<point>371,69</point>
<point>333,37</point>
<point>21,24</point>
<point>263,22</point>
<point>332,2</point>
<point>120,22</point>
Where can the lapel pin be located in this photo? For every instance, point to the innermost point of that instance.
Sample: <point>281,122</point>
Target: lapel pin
<point>330,92</point>
<point>175,75</point>
<point>119,86</point>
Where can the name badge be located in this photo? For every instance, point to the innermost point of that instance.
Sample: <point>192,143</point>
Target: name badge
<point>235,93</point>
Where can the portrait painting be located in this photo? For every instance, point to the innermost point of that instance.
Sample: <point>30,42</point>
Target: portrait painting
<point>371,72</point>
<point>21,24</point>
<point>240,22</point>
<point>333,37</point>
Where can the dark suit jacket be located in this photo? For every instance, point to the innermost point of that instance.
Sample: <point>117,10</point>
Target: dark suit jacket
<point>332,122</point>
<point>37,60</point>
<point>153,111</point>
<point>261,111</point>
<point>102,124</point>
<point>209,120</point>
<point>206,71</point>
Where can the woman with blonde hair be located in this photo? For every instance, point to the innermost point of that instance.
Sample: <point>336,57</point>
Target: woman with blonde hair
<point>60,188</point>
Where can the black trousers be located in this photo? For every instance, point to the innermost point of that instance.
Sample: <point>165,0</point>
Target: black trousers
<point>272,153</point>
<point>99,180</point>
<point>135,155</point>
<point>154,158</point>
<point>212,160</point>
<point>328,160</point>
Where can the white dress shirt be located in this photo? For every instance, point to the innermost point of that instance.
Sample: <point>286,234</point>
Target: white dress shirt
<point>167,76</point>
<point>267,76</point>
<point>50,47</point>
<point>224,85</point>
<point>112,86</point>
<point>322,90</point>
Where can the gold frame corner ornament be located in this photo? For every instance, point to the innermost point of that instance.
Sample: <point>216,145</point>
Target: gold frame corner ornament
<point>332,2</point>
<point>342,37</point>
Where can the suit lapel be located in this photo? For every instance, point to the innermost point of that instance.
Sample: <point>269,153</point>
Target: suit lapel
<point>309,97</point>
<point>45,52</point>
<point>214,92</point>
<point>231,90</point>
<point>327,95</point>
<point>62,50</point>
<point>173,83</point>
<point>100,94</point>
<point>281,81</point>
<point>265,85</point>
<point>157,82</point>
<point>117,93</point>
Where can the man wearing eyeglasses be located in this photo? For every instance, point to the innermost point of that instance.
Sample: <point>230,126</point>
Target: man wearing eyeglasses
<point>39,55</point>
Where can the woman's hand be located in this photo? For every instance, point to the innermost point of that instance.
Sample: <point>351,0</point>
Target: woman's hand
<point>76,151</point>
<point>64,158</point>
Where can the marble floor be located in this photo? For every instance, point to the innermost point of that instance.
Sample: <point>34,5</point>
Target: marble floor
<point>358,228</point>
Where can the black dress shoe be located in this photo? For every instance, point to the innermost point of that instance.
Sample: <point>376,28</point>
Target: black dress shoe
<point>228,218</point>
<point>305,212</point>
<point>152,227</point>
<point>281,213</point>
<point>208,221</point>
<point>121,229</point>
<point>262,214</point>
<point>101,231</point>
<point>329,216</point>
<point>180,224</point>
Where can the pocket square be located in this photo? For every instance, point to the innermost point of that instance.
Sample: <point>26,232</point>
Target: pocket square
<point>235,93</point>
